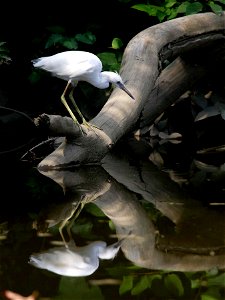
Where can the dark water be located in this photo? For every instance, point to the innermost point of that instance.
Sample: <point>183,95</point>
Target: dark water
<point>167,223</point>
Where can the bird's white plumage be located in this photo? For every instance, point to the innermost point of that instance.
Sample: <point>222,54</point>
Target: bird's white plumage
<point>71,65</point>
<point>79,66</point>
<point>75,261</point>
<point>75,66</point>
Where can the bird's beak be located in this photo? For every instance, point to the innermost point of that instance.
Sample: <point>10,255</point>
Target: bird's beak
<point>122,87</point>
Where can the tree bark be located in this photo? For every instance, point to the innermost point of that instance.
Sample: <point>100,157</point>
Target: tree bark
<point>142,64</point>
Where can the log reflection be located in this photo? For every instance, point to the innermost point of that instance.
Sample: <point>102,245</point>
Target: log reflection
<point>193,238</point>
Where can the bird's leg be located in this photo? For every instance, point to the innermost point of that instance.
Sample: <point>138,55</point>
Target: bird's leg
<point>76,107</point>
<point>84,122</point>
<point>63,224</point>
<point>61,232</point>
<point>63,99</point>
<point>74,218</point>
<point>73,210</point>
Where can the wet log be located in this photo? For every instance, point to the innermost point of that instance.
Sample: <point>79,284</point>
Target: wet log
<point>142,64</point>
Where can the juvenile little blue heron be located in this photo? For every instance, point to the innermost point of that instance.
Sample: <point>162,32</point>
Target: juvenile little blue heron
<point>75,66</point>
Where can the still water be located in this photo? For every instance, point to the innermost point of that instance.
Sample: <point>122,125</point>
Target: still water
<point>127,229</point>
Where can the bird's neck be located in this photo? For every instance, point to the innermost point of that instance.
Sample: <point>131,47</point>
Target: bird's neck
<point>102,81</point>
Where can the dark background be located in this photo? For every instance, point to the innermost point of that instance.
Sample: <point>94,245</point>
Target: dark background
<point>24,27</point>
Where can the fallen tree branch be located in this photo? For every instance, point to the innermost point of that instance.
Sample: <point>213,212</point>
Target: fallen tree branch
<point>141,66</point>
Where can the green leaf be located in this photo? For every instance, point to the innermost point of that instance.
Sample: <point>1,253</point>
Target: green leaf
<point>126,284</point>
<point>142,7</point>
<point>217,9</point>
<point>221,1</point>
<point>70,44</point>
<point>181,9</point>
<point>2,43</point>
<point>194,8</point>
<point>173,14</point>
<point>174,285</point>
<point>161,16</point>
<point>108,59</point>
<point>70,286</point>
<point>54,39</point>
<point>117,43</point>
<point>82,229</point>
<point>86,38</point>
<point>151,10</point>
<point>211,294</point>
<point>112,225</point>
<point>159,289</point>
<point>218,280</point>
<point>170,3</point>
<point>94,210</point>
<point>142,285</point>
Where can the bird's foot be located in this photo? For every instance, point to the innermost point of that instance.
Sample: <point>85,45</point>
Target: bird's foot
<point>90,126</point>
<point>81,129</point>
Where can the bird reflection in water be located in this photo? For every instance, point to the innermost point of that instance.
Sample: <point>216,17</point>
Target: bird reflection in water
<point>73,215</point>
<point>69,259</point>
<point>75,261</point>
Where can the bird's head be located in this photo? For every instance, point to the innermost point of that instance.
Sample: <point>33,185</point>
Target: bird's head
<point>116,79</point>
<point>109,252</point>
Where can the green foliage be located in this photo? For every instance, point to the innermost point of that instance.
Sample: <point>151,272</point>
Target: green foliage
<point>112,226</point>
<point>127,284</point>
<point>211,294</point>
<point>216,8</point>
<point>4,54</point>
<point>109,61</point>
<point>94,210</point>
<point>170,9</point>
<point>83,229</point>
<point>59,39</point>
<point>77,286</point>
<point>117,43</point>
<point>175,285</point>
<point>143,284</point>
<point>112,60</point>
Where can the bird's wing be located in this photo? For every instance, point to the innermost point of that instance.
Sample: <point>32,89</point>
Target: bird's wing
<point>65,262</point>
<point>70,64</point>
<point>80,64</point>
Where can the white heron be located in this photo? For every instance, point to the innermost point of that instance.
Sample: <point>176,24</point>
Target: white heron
<point>75,261</point>
<point>75,66</point>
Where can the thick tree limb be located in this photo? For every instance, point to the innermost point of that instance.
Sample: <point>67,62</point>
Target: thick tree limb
<point>141,66</point>
<point>172,82</point>
<point>181,75</point>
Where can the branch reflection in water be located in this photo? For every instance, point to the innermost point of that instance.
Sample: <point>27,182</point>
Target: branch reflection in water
<point>194,244</point>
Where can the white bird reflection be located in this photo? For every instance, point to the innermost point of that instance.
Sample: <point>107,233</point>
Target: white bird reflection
<point>74,261</point>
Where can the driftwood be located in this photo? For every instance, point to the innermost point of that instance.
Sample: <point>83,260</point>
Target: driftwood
<point>144,74</point>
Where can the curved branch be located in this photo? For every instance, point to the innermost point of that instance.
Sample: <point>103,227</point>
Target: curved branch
<point>141,66</point>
